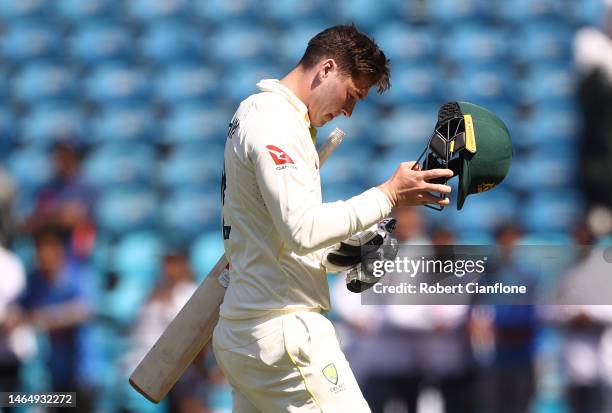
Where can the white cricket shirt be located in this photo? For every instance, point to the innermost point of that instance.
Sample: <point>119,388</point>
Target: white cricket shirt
<point>275,224</point>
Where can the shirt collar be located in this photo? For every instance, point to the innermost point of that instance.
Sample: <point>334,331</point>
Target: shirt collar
<point>275,86</point>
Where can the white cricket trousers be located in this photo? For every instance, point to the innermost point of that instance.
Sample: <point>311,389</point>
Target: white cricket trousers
<point>290,363</point>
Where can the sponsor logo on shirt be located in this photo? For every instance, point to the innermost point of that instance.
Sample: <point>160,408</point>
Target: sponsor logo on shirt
<point>280,157</point>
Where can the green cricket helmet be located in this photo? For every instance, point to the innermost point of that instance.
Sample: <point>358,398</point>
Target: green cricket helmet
<point>473,142</point>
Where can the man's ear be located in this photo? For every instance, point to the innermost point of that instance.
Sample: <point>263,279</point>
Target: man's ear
<point>327,66</point>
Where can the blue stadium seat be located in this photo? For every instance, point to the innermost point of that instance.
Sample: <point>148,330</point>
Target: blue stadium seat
<point>186,213</point>
<point>205,251</point>
<point>100,42</point>
<point>241,81</point>
<point>124,209</point>
<point>7,132</point>
<point>138,254</point>
<point>547,84</point>
<point>120,163</point>
<point>220,12</point>
<point>415,83</point>
<point>546,238</point>
<point>30,166</point>
<point>556,211</point>
<point>605,241</point>
<point>151,10</point>
<point>359,128</point>
<point>402,42</point>
<point>49,123</point>
<point>11,10</point>
<point>475,238</point>
<point>412,124</point>
<point>100,258</point>
<point>40,82</point>
<point>29,40</point>
<point>551,166</point>
<point>122,124</point>
<point>457,11</point>
<point>184,83</point>
<point>4,83</point>
<point>117,84</point>
<point>220,397</point>
<point>522,11</point>
<point>342,191</point>
<point>363,14</point>
<point>482,212</point>
<point>588,12</point>
<point>346,168</point>
<point>241,42</point>
<point>483,84</point>
<point>541,42</point>
<point>79,10</point>
<point>292,44</point>
<point>196,123</point>
<point>548,125</point>
<point>121,304</point>
<point>172,41</point>
<point>192,165</point>
<point>287,12</point>
<point>476,43</point>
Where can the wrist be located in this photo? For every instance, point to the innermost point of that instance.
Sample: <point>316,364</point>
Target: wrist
<point>390,194</point>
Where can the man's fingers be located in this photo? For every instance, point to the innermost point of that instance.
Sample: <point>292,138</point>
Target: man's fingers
<point>436,173</point>
<point>444,189</point>
<point>412,165</point>
<point>431,199</point>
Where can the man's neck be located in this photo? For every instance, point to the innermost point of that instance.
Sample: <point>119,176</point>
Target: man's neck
<point>299,83</point>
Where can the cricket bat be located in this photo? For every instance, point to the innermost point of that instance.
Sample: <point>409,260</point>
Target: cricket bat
<point>193,326</point>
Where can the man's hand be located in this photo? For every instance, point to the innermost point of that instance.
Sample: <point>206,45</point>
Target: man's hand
<point>354,250</point>
<point>356,255</point>
<point>410,186</point>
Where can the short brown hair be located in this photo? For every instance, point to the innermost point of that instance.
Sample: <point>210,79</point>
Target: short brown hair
<point>354,52</point>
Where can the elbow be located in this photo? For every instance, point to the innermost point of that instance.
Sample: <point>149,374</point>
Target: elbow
<point>300,244</point>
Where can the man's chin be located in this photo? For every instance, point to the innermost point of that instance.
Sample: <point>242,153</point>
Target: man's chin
<point>318,124</point>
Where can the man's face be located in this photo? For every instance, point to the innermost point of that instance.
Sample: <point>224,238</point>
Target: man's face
<point>176,268</point>
<point>335,94</point>
<point>49,256</point>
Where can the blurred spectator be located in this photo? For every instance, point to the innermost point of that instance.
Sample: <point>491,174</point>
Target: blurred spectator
<point>607,362</point>
<point>584,320</point>
<point>511,374</point>
<point>13,283</point>
<point>58,301</point>
<point>398,350</point>
<point>583,328</point>
<point>67,201</point>
<point>174,288</point>
<point>7,196</point>
<point>593,58</point>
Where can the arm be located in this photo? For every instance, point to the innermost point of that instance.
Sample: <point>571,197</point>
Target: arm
<point>303,221</point>
<point>60,316</point>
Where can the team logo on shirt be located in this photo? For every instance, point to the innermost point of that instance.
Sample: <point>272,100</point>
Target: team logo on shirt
<point>330,373</point>
<point>279,157</point>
